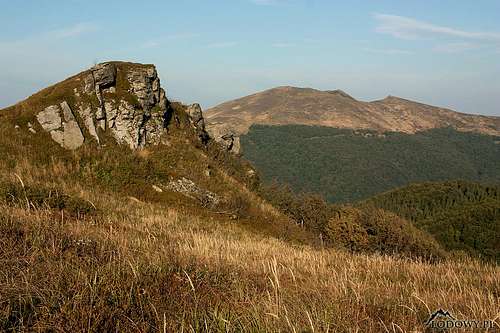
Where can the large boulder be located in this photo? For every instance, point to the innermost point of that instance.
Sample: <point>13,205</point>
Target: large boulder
<point>67,133</point>
<point>50,118</point>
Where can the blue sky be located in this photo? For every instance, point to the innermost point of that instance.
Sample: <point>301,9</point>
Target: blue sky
<point>445,52</point>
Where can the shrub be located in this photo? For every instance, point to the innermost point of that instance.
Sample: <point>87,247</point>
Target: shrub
<point>39,197</point>
<point>375,230</point>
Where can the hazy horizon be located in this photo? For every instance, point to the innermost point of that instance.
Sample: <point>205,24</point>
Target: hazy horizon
<point>440,53</point>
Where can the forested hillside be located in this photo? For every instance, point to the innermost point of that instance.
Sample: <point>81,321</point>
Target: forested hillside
<point>460,215</point>
<point>347,165</point>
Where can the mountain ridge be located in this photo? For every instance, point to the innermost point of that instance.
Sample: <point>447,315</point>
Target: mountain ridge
<point>287,105</point>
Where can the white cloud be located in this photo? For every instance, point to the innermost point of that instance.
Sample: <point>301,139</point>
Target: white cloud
<point>410,28</point>
<point>389,51</point>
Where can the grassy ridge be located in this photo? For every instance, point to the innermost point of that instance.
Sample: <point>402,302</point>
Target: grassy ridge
<point>346,166</point>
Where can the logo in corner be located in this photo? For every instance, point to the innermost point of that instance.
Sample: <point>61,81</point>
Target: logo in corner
<point>444,320</point>
<point>439,315</point>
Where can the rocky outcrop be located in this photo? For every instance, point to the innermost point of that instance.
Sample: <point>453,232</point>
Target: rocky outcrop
<point>196,117</point>
<point>227,137</point>
<point>188,188</point>
<point>123,99</point>
<point>86,115</point>
<point>60,122</point>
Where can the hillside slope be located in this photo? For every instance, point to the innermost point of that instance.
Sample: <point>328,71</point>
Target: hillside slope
<point>305,106</point>
<point>112,129</point>
<point>461,215</point>
<point>345,165</point>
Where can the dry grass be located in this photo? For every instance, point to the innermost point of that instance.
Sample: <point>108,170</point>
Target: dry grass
<point>143,267</point>
<point>162,264</point>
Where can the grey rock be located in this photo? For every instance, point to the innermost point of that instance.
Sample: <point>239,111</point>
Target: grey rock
<point>225,136</point>
<point>163,103</point>
<point>111,113</point>
<point>145,85</point>
<point>72,135</point>
<point>188,188</point>
<point>104,74</point>
<point>89,84</point>
<point>67,113</point>
<point>196,115</point>
<point>126,125</point>
<point>49,118</point>
<point>67,133</point>
<point>86,115</point>
<point>135,124</point>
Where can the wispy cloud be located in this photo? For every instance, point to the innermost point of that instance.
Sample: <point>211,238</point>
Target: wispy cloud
<point>455,47</point>
<point>219,45</point>
<point>52,35</point>
<point>74,30</point>
<point>410,28</point>
<point>283,45</point>
<point>388,51</point>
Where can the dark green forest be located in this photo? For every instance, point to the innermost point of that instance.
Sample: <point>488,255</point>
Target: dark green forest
<point>347,165</point>
<point>425,219</point>
<point>460,215</point>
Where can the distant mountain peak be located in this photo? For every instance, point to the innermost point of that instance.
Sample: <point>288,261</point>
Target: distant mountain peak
<point>341,93</point>
<point>335,108</point>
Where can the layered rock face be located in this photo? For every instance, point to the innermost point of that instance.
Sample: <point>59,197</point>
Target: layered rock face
<point>123,99</point>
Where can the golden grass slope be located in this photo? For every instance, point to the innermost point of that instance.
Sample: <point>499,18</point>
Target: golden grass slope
<point>146,268</point>
<point>306,106</point>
